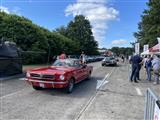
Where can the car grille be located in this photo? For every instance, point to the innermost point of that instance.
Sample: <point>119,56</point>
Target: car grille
<point>48,76</point>
<point>35,75</point>
<point>40,76</point>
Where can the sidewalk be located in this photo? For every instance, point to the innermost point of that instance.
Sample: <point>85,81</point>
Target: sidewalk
<point>120,99</point>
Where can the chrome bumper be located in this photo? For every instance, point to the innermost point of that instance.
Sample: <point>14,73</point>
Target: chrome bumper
<point>50,82</point>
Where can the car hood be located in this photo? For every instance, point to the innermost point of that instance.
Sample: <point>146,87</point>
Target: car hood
<point>52,70</point>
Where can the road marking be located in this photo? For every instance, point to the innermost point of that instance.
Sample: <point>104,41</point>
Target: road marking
<point>23,79</point>
<point>91,100</point>
<point>105,82</point>
<point>101,82</point>
<point>89,103</point>
<point>138,91</point>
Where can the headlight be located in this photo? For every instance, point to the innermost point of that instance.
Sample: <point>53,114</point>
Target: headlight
<point>62,77</point>
<point>28,74</point>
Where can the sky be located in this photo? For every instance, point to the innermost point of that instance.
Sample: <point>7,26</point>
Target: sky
<point>113,21</point>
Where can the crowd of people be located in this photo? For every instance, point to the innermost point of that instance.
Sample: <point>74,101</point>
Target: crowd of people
<point>151,64</point>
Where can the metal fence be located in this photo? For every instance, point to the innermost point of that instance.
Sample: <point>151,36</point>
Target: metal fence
<point>150,102</point>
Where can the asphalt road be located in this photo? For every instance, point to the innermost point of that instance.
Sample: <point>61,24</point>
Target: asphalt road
<point>20,101</point>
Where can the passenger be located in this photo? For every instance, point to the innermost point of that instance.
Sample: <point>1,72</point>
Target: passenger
<point>62,56</point>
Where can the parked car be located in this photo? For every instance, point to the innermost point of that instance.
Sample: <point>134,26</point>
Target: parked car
<point>62,74</point>
<point>74,56</point>
<point>109,61</point>
<point>89,59</point>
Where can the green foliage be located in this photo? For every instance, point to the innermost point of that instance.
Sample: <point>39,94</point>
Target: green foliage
<point>122,51</point>
<point>43,44</point>
<point>80,31</point>
<point>149,27</point>
<point>31,37</point>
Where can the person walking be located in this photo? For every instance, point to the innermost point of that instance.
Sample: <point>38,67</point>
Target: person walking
<point>135,61</point>
<point>156,68</point>
<point>148,66</point>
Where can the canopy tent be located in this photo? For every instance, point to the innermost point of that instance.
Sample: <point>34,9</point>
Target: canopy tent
<point>145,52</point>
<point>155,48</point>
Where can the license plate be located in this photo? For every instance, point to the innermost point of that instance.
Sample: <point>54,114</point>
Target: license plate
<point>41,85</point>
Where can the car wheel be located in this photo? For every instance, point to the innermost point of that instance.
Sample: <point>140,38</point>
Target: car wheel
<point>102,64</point>
<point>70,86</point>
<point>37,88</point>
<point>89,76</point>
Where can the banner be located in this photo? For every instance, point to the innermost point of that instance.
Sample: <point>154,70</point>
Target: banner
<point>145,47</point>
<point>137,48</point>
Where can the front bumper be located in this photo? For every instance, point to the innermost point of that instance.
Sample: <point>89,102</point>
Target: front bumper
<point>47,84</point>
<point>108,63</point>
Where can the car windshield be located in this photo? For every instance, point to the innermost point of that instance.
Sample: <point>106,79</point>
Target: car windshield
<point>66,63</point>
<point>109,58</point>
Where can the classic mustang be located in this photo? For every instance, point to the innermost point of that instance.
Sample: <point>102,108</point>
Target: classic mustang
<point>62,74</point>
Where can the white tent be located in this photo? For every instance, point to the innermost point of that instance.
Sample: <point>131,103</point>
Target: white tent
<point>145,52</point>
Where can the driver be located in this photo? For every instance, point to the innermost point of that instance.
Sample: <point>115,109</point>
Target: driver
<point>62,56</point>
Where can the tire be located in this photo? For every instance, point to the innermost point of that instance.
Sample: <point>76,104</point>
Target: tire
<point>70,86</point>
<point>89,76</point>
<point>37,88</point>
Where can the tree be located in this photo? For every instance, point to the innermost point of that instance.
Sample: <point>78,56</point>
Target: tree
<point>122,51</point>
<point>62,30</point>
<point>31,37</point>
<point>80,31</point>
<point>149,27</point>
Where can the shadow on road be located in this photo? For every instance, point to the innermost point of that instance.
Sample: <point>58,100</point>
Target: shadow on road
<point>81,89</point>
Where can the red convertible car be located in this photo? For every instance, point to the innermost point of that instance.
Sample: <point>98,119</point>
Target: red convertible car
<point>62,74</point>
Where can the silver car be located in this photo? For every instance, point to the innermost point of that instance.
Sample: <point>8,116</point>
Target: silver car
<point>109,61</point>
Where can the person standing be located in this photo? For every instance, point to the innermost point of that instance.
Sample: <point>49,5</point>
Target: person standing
<point>148,66</point>
<point>135,61</point>
<point>156,68</point>
<point>82,58</point>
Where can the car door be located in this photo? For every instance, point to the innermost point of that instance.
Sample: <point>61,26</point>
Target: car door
<point>78,72</point>
<point>84,72</point>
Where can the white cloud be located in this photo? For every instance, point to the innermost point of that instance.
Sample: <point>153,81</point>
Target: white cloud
<point>4,9</point>
<point>119,42</point>
<point>97,12</point>
<point>15,10</point>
